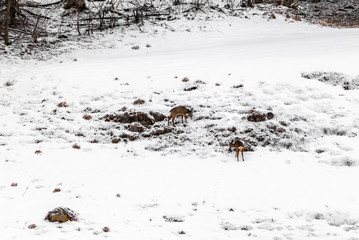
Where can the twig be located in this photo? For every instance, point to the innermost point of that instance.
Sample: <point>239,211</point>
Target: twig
<point>25,191</point>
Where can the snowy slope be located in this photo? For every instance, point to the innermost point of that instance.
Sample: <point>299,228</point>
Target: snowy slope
<point>307,191</point>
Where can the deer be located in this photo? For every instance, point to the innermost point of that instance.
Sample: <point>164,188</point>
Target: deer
<point>180,111</point>
<point>239,146</point>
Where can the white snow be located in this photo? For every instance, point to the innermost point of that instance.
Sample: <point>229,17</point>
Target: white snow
<point>195,186</point>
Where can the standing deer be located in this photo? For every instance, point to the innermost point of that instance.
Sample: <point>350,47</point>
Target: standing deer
<point>239,146</point>
<point>179,111</point>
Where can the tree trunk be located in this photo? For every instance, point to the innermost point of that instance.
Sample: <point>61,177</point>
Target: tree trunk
<point>13,4</point>
<point>7,22</point>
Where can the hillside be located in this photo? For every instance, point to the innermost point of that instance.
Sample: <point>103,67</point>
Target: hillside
<point>147,179</point>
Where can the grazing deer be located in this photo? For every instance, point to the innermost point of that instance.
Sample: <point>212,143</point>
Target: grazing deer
<point>179,111</point>
<point>239,146</point>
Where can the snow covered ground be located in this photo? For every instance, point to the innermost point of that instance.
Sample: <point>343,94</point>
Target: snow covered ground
<point>185,184</point>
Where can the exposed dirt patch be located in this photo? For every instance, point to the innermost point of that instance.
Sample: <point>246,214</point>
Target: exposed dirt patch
<point>131,117</point>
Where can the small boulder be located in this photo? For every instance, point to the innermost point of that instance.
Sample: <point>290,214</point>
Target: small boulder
<point>31,226</point>
<point>139,102</point>
<point>61,214</point>
<point>256,116</point>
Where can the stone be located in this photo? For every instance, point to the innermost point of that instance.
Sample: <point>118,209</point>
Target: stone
<point>61,214</point>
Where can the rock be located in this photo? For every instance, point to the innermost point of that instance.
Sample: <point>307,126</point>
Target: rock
<point>138,102</point>
<point>87,117</point>
<point>61,214</point>
<point>63,36</point>
<point>172,219</point>
<point>62,104</point>
<point>31,226</point>
<point>185,79</point>
<point>76,146</point>
<point>270,115</point>
<point>245,228</point>
<point>200,82</point>
<point>255,116</point>
<point>190,88</point>
<point>106,229</point>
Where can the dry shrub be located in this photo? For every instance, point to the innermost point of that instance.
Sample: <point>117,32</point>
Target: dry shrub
<point>136,47</point>
<point>272,16</point>
<point>287,15</point>
<point>218,84</point>
<point>38,152</point>
<point>56,190</point>
<point>13,184</point>
<point>297,18</point>
<point>238,86</point>
<point>106,229</point>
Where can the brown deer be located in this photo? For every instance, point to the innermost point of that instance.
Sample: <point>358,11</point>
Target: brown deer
<point>179,111</point>
<point>238,145</point>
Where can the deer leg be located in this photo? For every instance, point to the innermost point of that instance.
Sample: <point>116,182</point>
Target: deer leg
<point>168,120</point>
<point>237,154</point>
<point>242,150</point>
<point>173,121</point>
<point>185,117</point>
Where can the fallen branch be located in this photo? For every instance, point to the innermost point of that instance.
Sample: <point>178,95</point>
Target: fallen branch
<point>36,5</point>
